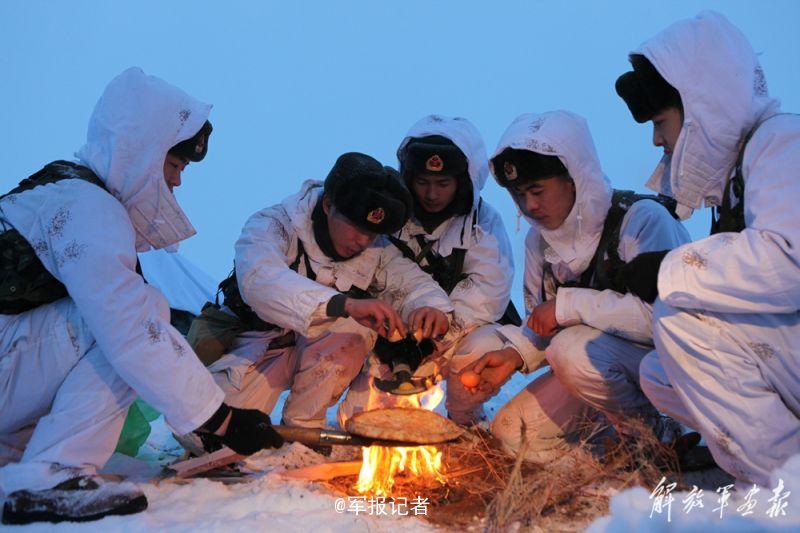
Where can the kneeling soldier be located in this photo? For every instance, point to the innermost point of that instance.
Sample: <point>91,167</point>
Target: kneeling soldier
<point>592,336</point>
<point>315,282</point>
<point>81,334</point>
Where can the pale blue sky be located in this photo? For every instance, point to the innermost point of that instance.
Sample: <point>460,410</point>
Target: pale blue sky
<point>295,84</point>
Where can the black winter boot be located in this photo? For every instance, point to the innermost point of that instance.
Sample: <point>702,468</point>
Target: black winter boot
<point>80,499</point>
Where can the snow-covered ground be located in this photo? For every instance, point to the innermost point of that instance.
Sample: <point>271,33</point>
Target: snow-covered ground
<point>269,502</point>
<point>266,503</point>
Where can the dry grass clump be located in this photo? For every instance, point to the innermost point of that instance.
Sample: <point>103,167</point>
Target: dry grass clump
<point>489,489</point>
<point>572,490</point>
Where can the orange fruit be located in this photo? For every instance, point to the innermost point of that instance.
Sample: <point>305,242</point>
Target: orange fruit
<point>470,379</point>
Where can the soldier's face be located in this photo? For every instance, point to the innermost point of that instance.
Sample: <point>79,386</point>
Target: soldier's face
<point>348,239</point>
<point>548,201</point>
<point>667,126</point>
<point>434,192</point>
<point>173,167</point>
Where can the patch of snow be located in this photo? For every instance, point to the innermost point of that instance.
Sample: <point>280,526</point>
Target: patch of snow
<point>637,509</point>
<point>289,456</point>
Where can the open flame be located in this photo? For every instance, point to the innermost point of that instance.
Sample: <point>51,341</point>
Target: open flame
<point>383,464</point>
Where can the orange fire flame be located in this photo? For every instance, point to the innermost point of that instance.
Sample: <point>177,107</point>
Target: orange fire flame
<point>381,464</point>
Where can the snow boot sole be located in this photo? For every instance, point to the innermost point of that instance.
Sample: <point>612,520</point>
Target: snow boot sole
<point>22,517</point>
<point>80,499</point>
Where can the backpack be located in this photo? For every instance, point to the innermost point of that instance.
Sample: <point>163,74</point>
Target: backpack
<point>213,331</point>
<point>731,219</point>
<point>606,260</point>
<point>25,283</point>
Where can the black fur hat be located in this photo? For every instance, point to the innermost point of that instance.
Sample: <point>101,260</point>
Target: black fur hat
<point>195,148</point>
<point>645,91</point>
<point>438,155</point>
<point>434,154</point>
<point>513,166</point>
<point>369,194</point>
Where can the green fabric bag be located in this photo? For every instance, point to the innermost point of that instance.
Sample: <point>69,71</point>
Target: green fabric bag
<point>136,428</point>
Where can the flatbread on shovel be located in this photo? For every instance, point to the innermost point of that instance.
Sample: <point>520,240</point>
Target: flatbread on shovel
<point>419,426</point>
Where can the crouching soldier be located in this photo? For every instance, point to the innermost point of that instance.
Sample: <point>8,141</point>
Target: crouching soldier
<point>81,334</point>
<point>315,282</point>
<point>459,239</point>
<point>592,336</point>
<point>727,358</point>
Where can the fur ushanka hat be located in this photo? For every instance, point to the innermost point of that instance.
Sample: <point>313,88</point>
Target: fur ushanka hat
<point>513,166</point>
<point>369,194</point>
<point>645,91</point>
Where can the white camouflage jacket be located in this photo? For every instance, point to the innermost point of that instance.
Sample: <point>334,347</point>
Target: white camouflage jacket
<point>279,295</point>
<point>724,97</point>
<point>482,297</point>
<point>88,239</point>
<point>646,226</point>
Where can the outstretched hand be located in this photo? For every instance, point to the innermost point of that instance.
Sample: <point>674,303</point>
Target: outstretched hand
<point>494,369</point>
<point>429,321</point>
<point>376,315</point>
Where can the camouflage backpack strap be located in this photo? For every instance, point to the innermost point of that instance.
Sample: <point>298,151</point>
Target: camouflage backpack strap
<point>404,248</point>
<point>26,283</point>
<point>57,171</point>
<point>620,202</point>
<point>727,218</point>
<point>229,287</point>
<point>446,271</point>
<point>606,260</point>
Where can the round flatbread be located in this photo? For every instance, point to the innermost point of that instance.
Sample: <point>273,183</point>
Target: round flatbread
<point>402,424</point>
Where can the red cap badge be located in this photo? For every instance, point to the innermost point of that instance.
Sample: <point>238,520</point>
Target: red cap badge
<point>434,163</point>
<point>510,171</point>
<point>376,216</point>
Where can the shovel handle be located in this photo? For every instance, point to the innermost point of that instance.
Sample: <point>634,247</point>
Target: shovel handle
<point>332,437</point>
<point>307,436</point>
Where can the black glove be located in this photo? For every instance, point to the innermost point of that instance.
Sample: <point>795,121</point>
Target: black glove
<point>640,275</point>
<point>249,430</point>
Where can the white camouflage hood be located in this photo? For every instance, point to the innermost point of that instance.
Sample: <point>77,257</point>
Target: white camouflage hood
<point>724,94</point>
<point>566,135</point>
<point>464,135</point>
<point>133,126</point>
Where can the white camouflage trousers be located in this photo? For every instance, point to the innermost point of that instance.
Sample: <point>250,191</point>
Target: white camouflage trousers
<point>316,371</point>
<point>591,374</point>
<point>733,377</point>
<point>62,406</point>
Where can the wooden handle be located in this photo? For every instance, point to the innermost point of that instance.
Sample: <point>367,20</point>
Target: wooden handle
<point>191,467</point>
<point>308,436</point>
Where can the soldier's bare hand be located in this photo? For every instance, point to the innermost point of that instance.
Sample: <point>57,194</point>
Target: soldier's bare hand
<point>429,321</point>
<point>543,319</point>
<point>494,369</point>
<point>376,315</point>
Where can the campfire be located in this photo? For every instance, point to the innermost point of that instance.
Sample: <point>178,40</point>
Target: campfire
<point>465,477</point>
<point>382,465</point>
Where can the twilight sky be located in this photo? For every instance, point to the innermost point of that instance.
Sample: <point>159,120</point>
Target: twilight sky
<point>295,84</point>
